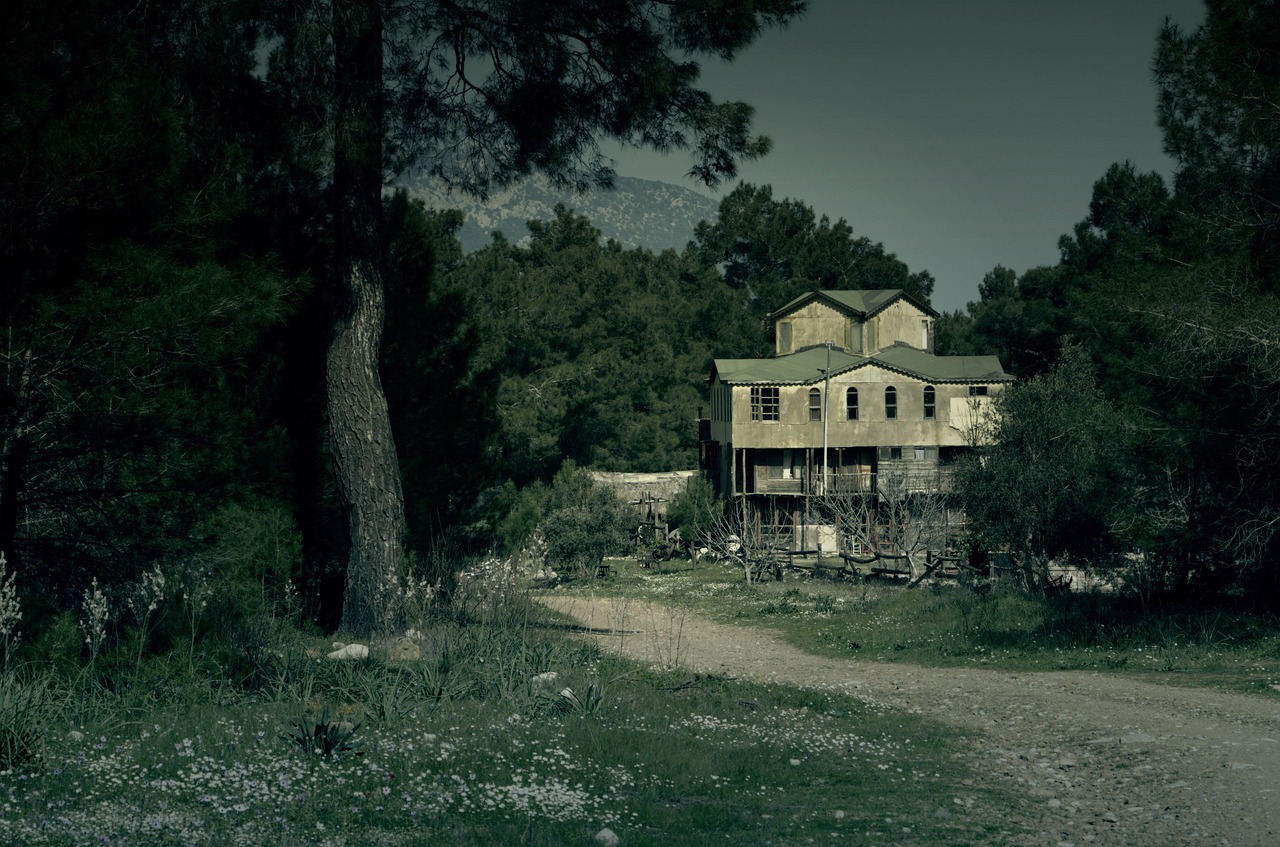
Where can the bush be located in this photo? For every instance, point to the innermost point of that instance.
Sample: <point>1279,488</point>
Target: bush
<point>253,553</point>
<point>583,521</point>
<point>695,510</point>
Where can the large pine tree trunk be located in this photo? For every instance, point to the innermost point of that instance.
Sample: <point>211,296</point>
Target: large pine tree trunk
<point>364,454</point>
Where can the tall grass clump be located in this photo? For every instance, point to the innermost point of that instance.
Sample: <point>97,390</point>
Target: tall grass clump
<point>25,703</point>
<point>25,707</point>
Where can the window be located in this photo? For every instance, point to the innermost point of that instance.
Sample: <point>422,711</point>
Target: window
<point>977,391</point>
<point>764,403</point>
<point>815,404</point>
<point>926,454</point>
<point>930,402</point>
<point>889,454</point>
<point>851,404</point>
<point>784,337</point>
<point>890,403</point>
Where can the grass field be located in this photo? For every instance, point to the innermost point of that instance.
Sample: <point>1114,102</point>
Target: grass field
<point>507,730</point>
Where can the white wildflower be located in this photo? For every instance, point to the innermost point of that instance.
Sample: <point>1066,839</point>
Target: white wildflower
<point>94,623</point>
<point>10,611</point>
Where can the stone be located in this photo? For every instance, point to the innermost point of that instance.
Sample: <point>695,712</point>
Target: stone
<point>350,651</point>
<point>607,838</point>
<point>404,650</point>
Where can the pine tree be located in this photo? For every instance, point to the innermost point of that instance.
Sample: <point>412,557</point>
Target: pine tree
<point>481,93</point>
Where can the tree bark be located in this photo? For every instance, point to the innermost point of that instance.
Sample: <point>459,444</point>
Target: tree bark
<point>364,454</point>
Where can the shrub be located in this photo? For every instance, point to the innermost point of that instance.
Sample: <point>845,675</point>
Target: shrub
<point>323,736</point>
<point>253,550</point>
<point>583,521</point>
<point>695,510</point>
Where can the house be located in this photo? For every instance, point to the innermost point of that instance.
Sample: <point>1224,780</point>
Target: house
<point>853,396</point>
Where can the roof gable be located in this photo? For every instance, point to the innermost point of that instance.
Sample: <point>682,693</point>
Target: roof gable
<point>861,303</point>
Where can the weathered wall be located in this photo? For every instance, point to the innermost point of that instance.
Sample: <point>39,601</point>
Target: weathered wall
<point>794,429</point>
<point>650,494</point>
<point>903,322</point>
<point>816,323</point>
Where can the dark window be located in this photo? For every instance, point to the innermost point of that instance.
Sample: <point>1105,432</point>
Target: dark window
<point>764,403</point>
<point>930,404</point>
<point>889,453</point>
<point>815,404</point>
<point>977,391</point>
<point>851,404</point>
<point>891,403</point>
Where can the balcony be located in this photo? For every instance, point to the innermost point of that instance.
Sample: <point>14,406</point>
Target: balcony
<point>890,481</point>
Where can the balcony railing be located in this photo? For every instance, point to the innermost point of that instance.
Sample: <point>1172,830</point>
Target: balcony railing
<point>838,482</point>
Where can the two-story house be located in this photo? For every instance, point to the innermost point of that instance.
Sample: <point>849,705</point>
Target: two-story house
<point>853,394</point>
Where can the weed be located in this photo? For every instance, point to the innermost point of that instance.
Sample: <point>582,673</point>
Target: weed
<point>324,737</point>
<point>588,703</point>
<point>824,604</point>
<point>24,704</point>
<point>97,611</point>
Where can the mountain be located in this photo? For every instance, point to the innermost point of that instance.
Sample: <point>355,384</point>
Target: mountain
<point>636,212</point>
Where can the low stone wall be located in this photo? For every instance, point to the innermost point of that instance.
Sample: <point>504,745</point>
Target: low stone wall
<point>650,494</point>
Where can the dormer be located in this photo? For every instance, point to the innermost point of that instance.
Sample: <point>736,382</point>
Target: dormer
<point>859,322</point>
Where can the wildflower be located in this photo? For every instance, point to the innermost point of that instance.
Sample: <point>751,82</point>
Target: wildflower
<point>94,623</point>
<point>149,592</point>
<point>10,612</point>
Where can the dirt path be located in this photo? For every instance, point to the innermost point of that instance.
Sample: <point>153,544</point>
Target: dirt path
<point>1109,761</point>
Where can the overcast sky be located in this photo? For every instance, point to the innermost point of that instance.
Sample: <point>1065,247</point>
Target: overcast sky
<point>961,134</point>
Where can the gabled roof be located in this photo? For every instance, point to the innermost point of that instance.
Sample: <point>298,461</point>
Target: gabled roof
<point>908,360</point>
<point>807,366</point>
<point>796,368</point>
<point>862,303</point>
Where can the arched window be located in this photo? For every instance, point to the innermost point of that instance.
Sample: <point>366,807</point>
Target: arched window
<point>851,404</point>
<point>890,403</point>
<point>930,403</point>
<point>815,404</point>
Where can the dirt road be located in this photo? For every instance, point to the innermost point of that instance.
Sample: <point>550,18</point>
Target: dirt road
<point>1109,761</point>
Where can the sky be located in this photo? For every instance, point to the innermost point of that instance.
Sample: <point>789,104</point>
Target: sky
<point>961,134</point>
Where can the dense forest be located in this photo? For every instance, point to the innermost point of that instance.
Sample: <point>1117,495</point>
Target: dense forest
<point>1147,421</point>
<point>183,213</point>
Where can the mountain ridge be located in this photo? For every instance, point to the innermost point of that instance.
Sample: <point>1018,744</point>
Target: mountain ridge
<point>635,212</point>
